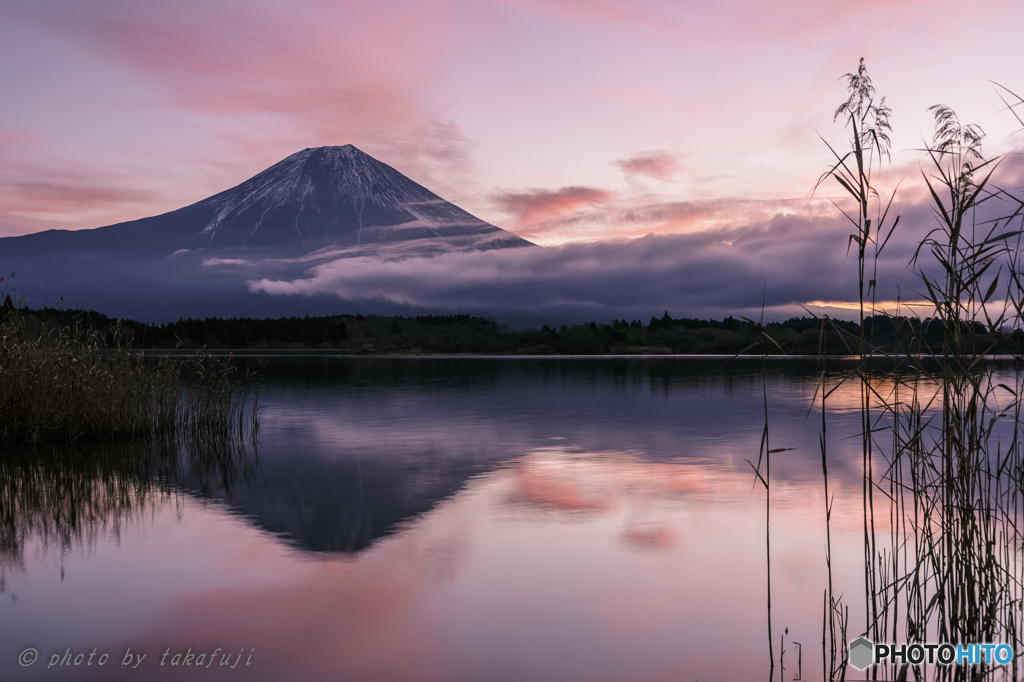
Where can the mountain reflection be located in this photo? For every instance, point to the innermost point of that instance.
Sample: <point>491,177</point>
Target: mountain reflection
<point>344,504</point>
<point>353,449</point>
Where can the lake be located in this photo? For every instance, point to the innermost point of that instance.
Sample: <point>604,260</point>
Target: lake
<point>562,519</point>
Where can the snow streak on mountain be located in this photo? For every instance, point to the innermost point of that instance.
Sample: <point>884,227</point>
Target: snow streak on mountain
<point>336,196</point>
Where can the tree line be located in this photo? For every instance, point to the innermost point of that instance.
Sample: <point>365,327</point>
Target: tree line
<point>440,334</point>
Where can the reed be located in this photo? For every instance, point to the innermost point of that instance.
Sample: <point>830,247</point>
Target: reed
<point>952,564</point>
<point>868,123</point>
<point>943,471</point>
<point>61,383</point>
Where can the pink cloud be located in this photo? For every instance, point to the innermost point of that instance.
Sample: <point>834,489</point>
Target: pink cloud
<point>539,205</point>
<point>67,193</point>
<point>657,165</point>
<point>265,81</point>
<point>296,64</point>
<point>13,137</point>
<point>636,217</point>
<point>422,86</point>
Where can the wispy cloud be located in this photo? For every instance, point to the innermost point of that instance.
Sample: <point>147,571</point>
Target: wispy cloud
<point>657,165</point>
<point>284,69</point>
<point>13,137</point>
<point>534,206</point>
<point>31,196</point>
<point>603,11</point>
<point>211,262</point>
<point>585,214</point>
<point>69,193</point>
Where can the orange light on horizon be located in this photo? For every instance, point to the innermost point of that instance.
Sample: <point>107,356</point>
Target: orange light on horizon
<point>890,307</point>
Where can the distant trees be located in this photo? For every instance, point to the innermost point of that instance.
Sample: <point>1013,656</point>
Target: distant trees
<point>364,334</point>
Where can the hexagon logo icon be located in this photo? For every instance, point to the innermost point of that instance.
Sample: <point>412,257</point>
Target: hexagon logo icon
<point>861,653</point>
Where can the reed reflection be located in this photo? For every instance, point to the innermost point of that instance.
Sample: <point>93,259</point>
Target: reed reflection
<point>73,496</point>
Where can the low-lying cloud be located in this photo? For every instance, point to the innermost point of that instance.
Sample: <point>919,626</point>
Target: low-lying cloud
<point>788,260</point>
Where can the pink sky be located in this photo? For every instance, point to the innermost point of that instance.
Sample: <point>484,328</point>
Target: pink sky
<point>561,120</point>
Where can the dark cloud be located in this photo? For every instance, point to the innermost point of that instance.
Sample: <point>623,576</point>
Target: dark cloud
<point>790,260</point>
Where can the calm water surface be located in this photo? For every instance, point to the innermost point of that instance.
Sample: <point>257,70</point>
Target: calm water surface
<point>451,519</point>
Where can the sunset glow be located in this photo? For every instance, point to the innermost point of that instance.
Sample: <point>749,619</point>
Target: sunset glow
<point>558,120</point>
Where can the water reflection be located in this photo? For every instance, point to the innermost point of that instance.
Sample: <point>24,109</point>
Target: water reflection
<point>446,519</point>
<point>71,497</point>
<point>559,565</point>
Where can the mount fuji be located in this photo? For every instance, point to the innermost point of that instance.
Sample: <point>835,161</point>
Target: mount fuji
<point>317,205</point>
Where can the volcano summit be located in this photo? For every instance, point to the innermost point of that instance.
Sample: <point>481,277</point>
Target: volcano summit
<point>316,205</point>
<point>335,196</point>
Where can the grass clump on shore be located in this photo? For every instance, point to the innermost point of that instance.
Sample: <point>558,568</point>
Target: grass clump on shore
<point>61,383</point>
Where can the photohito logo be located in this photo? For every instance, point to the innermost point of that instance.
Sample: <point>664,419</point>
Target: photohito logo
<point>863,652</point>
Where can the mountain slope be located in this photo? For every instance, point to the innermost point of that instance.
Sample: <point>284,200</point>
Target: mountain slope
<point>336,196</point>
<point>316,198</point>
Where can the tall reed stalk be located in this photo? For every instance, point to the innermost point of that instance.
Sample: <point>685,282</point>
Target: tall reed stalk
<point>868,123</point>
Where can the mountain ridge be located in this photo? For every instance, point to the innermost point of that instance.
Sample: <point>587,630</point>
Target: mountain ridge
<point>317,197</point>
